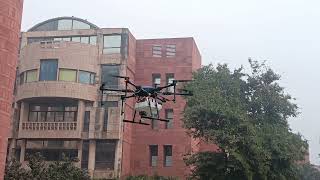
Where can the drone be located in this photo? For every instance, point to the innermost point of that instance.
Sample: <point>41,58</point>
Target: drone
<point>148,99</point>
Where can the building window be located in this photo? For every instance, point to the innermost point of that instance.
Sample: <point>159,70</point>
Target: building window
<point>85,154</point>
<point>108,71</point>
<point>86,121</point>
<point>52,113</point>
<point>53,150</point>
<point>65,24</point>
<point>48,69</point>
<point>153,155</point>
<point>107,105</point>
<point>111,44</point>
<point>84,39</point>
<point>169,116</point>
<point>86,77</point>
<point>67,75</point>
<point>21,78</point>
<point>170,50</point>
<point>76,39</point>
<point>169,79</point>
<point>80,25</point>
<point>93,40</point>
<point>105,154</point>
<point>167,149</point>
<point>31,75</point>
<point>156,51</point>
<point>156,79</point>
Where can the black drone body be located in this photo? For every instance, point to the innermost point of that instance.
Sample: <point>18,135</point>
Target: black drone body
<point>149,99</point>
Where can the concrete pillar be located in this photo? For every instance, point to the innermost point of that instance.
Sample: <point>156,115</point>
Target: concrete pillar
<point>79,144</point>
<point>12,148</point>
<point>80,115</point>
<point>23,150</point>
<point>24,111</point>
<point>92,156</point>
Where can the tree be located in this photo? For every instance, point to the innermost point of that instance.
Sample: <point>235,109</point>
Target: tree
<point>308,172</point>
<point>38,169</point>
<point>246,115</point>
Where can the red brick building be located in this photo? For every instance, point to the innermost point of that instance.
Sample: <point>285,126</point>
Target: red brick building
<point>159,137</point>
<point>57,106</point>
<point>10,20</point>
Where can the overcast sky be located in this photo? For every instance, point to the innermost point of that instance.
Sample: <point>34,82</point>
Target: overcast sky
<point>286,33</point>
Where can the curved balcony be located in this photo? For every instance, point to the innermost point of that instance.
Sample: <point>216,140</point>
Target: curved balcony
<point>49,130</point>
<point>57,89</point>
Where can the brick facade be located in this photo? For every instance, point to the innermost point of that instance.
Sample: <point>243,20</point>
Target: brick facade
<point>10,20</point>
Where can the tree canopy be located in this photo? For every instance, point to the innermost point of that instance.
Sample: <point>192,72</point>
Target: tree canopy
<point>38,169</point>
<point>246,115</point>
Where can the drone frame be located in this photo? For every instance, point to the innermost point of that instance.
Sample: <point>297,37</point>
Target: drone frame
<point>140,93</point>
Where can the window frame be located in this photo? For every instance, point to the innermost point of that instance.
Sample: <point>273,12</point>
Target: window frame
<point>165,156</point>
<point>64,111</point>
<point>75,70</point>
<point>151,163</point>
<point>92,76</point>
<point>168,77</point>
<point>171,48</point>
<point>105,48</point>
<point>157,50</point>
<point>109,74</point>
<point>56,71</point>
<point>169,125</point>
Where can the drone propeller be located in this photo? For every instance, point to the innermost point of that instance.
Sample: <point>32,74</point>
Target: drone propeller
<point>182,80</point>
<point>180,94</point>
<point>118,90</point>
<point>123,77</point>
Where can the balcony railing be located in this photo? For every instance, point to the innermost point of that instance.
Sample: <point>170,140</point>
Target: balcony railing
<point>56,126</point>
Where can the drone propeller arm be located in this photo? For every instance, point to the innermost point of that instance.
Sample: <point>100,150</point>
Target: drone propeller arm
<point>180,94</point>
<point>117,90</point>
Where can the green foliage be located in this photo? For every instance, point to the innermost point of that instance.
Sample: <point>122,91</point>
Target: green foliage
<point>245,114</point>
<point>154,177</point>
<point>37,169</point>
<point>308,172</point>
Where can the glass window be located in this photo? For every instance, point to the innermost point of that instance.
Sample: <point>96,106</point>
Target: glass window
<point>57,39</point>
<point>170,78</point>
<point>111,44</point>
<point>85,154</point>
<point>156,51</point>
<point>169,116</point>
<point>108,71</point>
<point>107,105</point>
<point>67,75</point>
<point>86,121</point>
<point>75,39</point>
<point>31,75</point>
<point>53,113</point>
<point>48,70</point>
<point>86,77</point>
<point>21,79</point>
<point>156,79</point>
<point>80,25</point>
<point>93,40</point>
<point>65,24</point>
<point>105,154</point>
<point>153,155</point>
<point>66,39</point>
<point>85,39</point>
<point>171,50</point>
<point>167,155</point>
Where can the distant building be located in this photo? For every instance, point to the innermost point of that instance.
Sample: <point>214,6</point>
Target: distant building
<point>10,21</point>
<point>57,108</point>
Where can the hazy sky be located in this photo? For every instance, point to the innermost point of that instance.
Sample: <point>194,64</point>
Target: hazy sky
<point>286,33</point>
